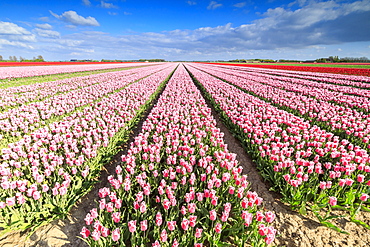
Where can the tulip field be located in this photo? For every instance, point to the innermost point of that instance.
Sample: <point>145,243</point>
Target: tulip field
<point>177,183</point>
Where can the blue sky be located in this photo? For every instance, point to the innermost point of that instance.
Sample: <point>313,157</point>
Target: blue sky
<point>184,30</point>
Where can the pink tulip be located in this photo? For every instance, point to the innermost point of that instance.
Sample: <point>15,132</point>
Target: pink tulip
<point>212,215</point>
<point>332,200</point>
<point>156,244</point>
<point>175,243</point>
<point>116,234</point>
<point>116,216</point>
<point>269,216</point>
<point>144,225</point>
<point>198,232</point>
<point>132,226</point>
<point>163,236</point>
<point>105,232</point>
<point>171,225</point>
<point>192,207</point>
<point>364,197</point>
<point>158,219</point>
<point>96,235</point>
<point>85,233</point>
<point>192,220</point>
<point>218,227</point>
<point>185,224</point>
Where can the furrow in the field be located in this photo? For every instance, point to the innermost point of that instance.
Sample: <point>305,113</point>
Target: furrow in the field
<point>178,171</point>
<point>343,121</point>
<point>16,122</point>
<point>46,172</point>
<point>361,102</point>
<point>303,162</point>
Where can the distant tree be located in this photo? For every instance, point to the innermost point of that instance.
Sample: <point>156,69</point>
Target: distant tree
<point>321,60</point>
<point>334,59</point>
<point>40,58</point>
<point>1,58</point>
<point>354,60</point>
<point>21,59</point>
<point>12,58</point>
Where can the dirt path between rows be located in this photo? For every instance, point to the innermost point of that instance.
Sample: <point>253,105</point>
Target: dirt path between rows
<point>294,230</point>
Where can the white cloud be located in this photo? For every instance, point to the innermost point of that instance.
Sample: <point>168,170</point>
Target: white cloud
<point>14,43</point>
<point>240,5</point>
<point>45,26</point>
<point>44,18</point>
<point>108,5</point>
<point>70,42</point>
<point>11,28</point>
<point>47,33</point>
<point>127,13</point>
<point>75,19</point>
<point>15,34</point>
<point>214,5</point>
<point>86,2</point>
<point>191,2</point>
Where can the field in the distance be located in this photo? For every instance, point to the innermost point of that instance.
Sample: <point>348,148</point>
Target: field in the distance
<point>334,65</point>
<point>362,69</point>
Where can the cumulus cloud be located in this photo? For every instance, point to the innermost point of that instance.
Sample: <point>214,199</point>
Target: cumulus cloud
<point>45,26</point>
<point>47,33</point>
<point>214,5</point>
<point>8,28</point>
<point>191,2</point>
<point>14,34</point>
<point>73,18</point>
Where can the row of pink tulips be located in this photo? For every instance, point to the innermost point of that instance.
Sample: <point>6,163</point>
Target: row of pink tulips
<point>345,122</point>
<point>303,162</point>
<point>18,95</point>
<point>28,71</point>
<point>346,96</point>
<point>46,172</point>
<point>178,185</point>
<point>16,122</point>
<point>360,89</point>
<point>338,79</point>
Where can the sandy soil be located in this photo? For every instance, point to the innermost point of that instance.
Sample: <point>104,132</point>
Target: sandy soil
<point>293,229</point>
